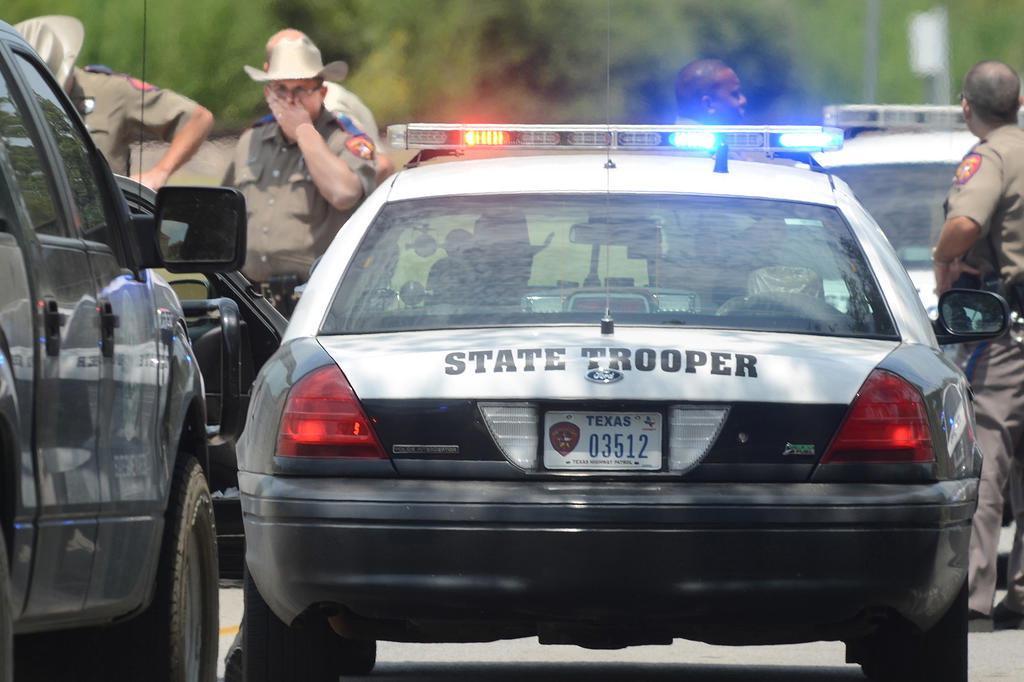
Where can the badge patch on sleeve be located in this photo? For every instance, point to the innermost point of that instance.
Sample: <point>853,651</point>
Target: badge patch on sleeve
<point>141,84</point>
<point>360,146</point>
<point>967,168</point>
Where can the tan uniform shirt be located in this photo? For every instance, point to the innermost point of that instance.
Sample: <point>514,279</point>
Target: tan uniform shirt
<point>118,108</point>
<point>342,101</point>
<point>988,188</point>
<point>290,222</point>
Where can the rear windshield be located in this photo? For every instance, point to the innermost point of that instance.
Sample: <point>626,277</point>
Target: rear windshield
<point>906,200</point>
<point>711,262</point>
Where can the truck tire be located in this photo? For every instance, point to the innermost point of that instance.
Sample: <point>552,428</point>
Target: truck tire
<point>899,652</point>
<point>6,618</point>
<point>176,639</point>
<point>309,651</point>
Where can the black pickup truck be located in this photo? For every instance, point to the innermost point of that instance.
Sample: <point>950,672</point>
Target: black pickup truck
<point>106,447</point>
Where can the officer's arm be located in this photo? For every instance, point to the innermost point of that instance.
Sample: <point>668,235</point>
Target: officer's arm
<point>957,237</point>
<point>183,145</point>
<point>969,208</point>
<point>332,176</point>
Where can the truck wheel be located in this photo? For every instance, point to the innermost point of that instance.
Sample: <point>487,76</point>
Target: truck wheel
<point>176,639</point>
<point>308,651</point>
<point>899,652</point>
<point>6,627</point>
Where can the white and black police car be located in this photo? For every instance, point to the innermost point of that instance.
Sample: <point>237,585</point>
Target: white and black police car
<point>608,398</point>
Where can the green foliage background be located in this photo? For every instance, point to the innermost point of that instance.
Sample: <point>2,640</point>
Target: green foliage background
<point>534,60</point>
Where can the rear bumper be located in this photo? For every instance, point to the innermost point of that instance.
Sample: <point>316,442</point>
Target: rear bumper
<point>768,562</point>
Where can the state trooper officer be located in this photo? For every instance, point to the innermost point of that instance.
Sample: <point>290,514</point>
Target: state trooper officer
<point>344,103</point>
<point>301,171</point>
<point>709,92</point>
<point>116,107</point>
<point>982,246</point>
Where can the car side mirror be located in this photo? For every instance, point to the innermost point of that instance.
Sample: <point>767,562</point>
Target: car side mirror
<point>970,315</point>
<point>200,229</point>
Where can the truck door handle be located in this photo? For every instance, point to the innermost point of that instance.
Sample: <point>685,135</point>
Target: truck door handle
<point>53,320</point>
<point>108,323</point>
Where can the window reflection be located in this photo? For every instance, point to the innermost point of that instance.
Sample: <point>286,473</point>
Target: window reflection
<point>27,163</point>
<point>91,218</point>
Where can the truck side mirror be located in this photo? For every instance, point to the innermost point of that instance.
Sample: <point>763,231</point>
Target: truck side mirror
<point>200,229</point>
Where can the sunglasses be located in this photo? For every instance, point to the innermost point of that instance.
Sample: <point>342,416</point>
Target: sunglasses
<point>297,92</point>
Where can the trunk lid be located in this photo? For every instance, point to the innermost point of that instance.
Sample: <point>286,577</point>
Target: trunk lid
<point>784,395</point>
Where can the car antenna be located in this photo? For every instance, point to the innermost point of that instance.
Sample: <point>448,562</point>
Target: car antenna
<point>142,92</point>
<point>607,323</point>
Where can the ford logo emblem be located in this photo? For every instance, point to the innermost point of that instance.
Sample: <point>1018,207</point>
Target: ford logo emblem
<point>604,376</point>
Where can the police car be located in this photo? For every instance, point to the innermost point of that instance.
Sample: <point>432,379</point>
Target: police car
<point>900,162</point>
<point>608,388</point>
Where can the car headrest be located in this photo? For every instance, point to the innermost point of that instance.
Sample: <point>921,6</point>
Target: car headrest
<point>501,227</point>
<point>785,279</point>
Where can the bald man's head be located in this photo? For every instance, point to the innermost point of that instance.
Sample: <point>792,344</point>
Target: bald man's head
<point>708,91</point>
<point>992,89</point>
<point>284,34</point>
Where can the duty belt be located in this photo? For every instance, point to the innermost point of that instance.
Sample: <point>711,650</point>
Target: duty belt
<point>1016,326</point>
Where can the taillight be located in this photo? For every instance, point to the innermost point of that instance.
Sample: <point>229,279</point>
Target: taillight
<point>886,423</point>
<point>323,418</point>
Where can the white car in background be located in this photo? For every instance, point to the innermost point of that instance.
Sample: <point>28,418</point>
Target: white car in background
<point>899,161</point>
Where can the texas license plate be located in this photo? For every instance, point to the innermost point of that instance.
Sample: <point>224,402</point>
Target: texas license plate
<point>617,441</point>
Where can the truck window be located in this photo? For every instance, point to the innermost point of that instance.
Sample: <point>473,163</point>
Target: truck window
<point>34,183</point>
<point>93,219</point>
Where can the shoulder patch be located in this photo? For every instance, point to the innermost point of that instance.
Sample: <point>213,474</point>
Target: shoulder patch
<point>361,146</point>
<point>262,121</point>
<point>99,68</point>
<point>967,168</point>
<point>140,84</point>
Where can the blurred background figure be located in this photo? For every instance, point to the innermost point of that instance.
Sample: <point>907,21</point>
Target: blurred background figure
<point>708,91</point>
<point>117,108</point>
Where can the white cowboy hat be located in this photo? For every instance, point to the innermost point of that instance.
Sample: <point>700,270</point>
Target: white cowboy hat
<point>295,60</point>
<point>58,40</point>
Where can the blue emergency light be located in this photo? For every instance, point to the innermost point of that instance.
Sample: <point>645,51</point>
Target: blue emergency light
<point>694,139</point>
<point>825,139</point>
<point>769,140</point>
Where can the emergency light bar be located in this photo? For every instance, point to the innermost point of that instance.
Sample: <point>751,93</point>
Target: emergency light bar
<point>913,117</point>
<point>693,138</point>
